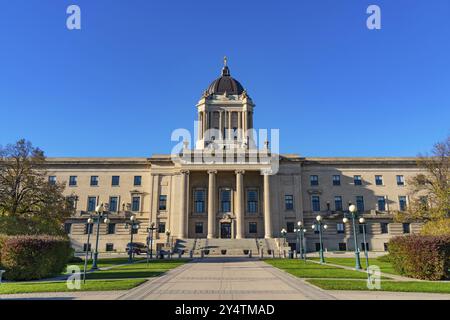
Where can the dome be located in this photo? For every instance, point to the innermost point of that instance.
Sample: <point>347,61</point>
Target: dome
<point>225,84</point>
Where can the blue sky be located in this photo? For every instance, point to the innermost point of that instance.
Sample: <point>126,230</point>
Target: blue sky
<point>137,68</point>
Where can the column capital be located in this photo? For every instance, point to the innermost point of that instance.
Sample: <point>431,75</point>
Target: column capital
<point>185,172</point>
<point>239,171</point>
<point>266,172</point>
<point>212,171</point>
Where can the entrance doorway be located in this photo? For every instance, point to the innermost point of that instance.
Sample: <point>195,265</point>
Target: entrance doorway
<point>225,230</point>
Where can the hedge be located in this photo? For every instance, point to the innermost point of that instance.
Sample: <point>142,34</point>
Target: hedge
<point>34,257</point>
<point>421,257</point>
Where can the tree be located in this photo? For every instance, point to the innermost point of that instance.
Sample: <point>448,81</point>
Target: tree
<point>29,204</point>
<point>430,192</point>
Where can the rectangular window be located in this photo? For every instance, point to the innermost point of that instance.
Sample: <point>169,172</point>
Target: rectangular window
<point>199,227</point>
<point>400,180</point>
<point>115,181</point>
<point>162,202</point>
<point>135,204</point>
<point>384,226</point>
<point>68,228</point>
<point>86,248</point>
<point>357,180</point>
<point>94,180</point>
<point>314,180</point>
<point>111,228</point>
<point>385,245</point>
<point>52,180</point>
<point>290,226</point>
<point>162,227</point>
<point>88,228</point>
<point>361,228</point>
<point>72,181</point>
<point>381,202</point>
<point>225,200</point>
<point>315,203</point>
<point>252,227</point>
<point>113,204</point>
<point>402,203</point>
<point>360,203</point>
<point>137,181</point>
<point>72,202</point>
<point>252,201</point>
<point>92,203</point>
<point>110,247</point>
<point>317,246</point>
<point>406,228</point>
<point>336,180</point>
<point>199,201</point>
<point>342,246</point>
<point>340,228</point>
<point>338,203</point>
<point>379,180</point>
<point>289,202</point>
<point>362,246</point>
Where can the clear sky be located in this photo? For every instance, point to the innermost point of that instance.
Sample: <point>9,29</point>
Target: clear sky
<point>135,71</point>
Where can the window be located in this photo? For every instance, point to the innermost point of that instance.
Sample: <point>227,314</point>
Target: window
<point>135,203</point>
<point>317,246</point>
<point>199,227</point>
<point>72,181</point>
<point>423,202</point>
<point>340,228</point>
<point>68,228</point>
<point>92,202</point>
<point>314,180</point>
<point>379,180</point>
<point>113,204</point>
<point>384,226</point>
<point>111,228</point>
<point>289,202</point>
<point>252,227</point>
<point>137,181</point>
<point>199,201</point>
<point>162,202</point>
<point>252,201</point>
<point>366,248</point>
<point>381,202</point>
<point>290,226</point>
<point>115,181</point>
<point>225,200</point>
<point>402,203</point>
<point>338,203</point>
<point>361,228</point>
<point>88,227</point>
<point>336,180</point>
<point>162,227</point>
<point>357,180</point>
<point>385,245</point>
<point>94,180</point>
<point>400,180</point>
<point>342,246</point>
<point>110,247</point>
<point>52,180</point>
<point>360,203</point>
<point>315,203</point>
<point>72,202</point>
<point>406,228</point>
<point>86,248</point>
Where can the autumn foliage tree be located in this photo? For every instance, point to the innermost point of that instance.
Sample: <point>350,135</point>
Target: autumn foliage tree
<point>29,204</point>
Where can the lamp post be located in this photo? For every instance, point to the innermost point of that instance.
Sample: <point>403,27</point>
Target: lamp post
<point>150,240</point>
<point>99,210</point>
<point>299,232</point>
<point>133,226</point>
<point>353,210</point>
<point>89,225</point>
<point>362,221</point>
<point>283,234</point>
<point>319,225</point>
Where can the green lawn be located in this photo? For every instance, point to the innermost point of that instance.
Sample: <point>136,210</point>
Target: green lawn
<point>105,262</point>
<point>61,286</point>
<point>398,286</point>
<point>308,269</point>
<point>350,262</point>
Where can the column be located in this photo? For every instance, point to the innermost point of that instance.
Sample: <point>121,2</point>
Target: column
<point>199,129</point>
<point>212,204</point>
<point>240,204</point>
<point>267,215</point>
<point>183,210</point>
<point>230,115</point>
<point>239,114</point>
<point>220,125</point>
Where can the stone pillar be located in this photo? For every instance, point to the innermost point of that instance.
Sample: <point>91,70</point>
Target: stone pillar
<point>183,198</point>
<point>230,116</point>
<point>199,129</point>
<point>240,204</point>
<point>239,114</point>
<point>220,125</point>
<point>267,214</point>
<point>212,204</point>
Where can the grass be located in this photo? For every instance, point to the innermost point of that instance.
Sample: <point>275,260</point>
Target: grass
<point>307,269</point>
<point>396,286</point>
<point>61,286</point>
<point>385,267</point>
<point>105,262</point>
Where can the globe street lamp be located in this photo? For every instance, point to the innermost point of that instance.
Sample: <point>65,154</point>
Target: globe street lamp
<point>362,221</point>
<point>353,211</point>
<point>319,226</point>
<point>100,214</point>
<point>89,226</point>
<point>134,225</point>
<point>300,232</point>
<point>150,240</point>
<point>283,234</point>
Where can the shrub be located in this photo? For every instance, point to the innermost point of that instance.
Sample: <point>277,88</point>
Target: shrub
<point>2,239</point>
<point>75,260</point>
<point>385,258</point>
<point>422,257</point>
<point>34,257</point>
